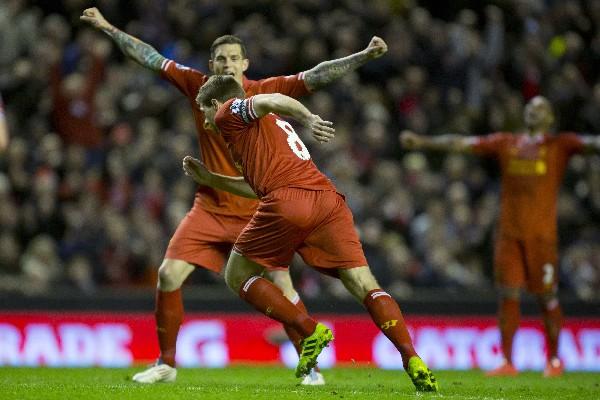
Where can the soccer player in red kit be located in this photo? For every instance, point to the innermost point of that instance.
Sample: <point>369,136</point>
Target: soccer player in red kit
<point>205,236</point>
<point>299,211</point>
<point>532,165</point>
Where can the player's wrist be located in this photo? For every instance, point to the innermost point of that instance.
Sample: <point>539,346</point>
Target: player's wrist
<point>108,28</point>
<point>368,54</point>
<point>311,120</point>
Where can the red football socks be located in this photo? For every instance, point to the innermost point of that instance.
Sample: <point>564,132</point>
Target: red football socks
<point>509,316</point>
<point>294,336</point>
<point>168,314</point>
<point>269,300</point>
<point>552,313</point>
<point>386,314</point>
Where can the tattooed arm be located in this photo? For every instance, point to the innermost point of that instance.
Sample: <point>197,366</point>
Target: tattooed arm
<point>140,52</point>
<point>328,71</point>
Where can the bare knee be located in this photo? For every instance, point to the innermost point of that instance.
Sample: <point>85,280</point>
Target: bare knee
<point>238,270</point>
<point>359,281</point>
<point>172,274</point>
<point>283,281</point>
<point>233,277</point>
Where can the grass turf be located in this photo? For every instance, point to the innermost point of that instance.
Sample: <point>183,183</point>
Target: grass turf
<point>246,382</point>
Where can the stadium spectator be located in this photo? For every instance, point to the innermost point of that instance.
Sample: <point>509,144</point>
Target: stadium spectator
<point>204,237</point>
<point>74,93</point>
<point>532,165</point>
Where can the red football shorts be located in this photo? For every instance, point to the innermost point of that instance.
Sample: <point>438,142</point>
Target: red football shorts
<point>530,263</point>
<point>204,238</point>
<point>316,223</point>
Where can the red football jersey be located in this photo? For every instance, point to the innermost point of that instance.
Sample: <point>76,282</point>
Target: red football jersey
<point>268,151</point>
<point>531,169</point>
<point>213,150</point>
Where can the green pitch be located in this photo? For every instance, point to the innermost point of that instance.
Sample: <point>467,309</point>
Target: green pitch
<point>273,383</point>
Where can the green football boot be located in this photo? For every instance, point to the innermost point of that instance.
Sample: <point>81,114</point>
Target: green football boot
<point>421,376</point>
<point>311,348</point>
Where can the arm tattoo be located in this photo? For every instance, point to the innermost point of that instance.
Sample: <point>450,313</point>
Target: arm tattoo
<point>140,52</point>
<point>328,71</point>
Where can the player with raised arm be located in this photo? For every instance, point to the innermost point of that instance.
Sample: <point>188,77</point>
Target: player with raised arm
<point>532,165</point>
<point>205,236</point>
<point>299,211</point>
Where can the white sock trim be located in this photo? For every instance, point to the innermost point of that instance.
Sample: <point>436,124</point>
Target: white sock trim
<point>249,282</point>
<point>295,299</point>
<point>379,293</point>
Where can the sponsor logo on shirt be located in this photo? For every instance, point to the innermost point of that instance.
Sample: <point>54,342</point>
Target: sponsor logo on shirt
<point>528,160</point>
<point>527,167</point>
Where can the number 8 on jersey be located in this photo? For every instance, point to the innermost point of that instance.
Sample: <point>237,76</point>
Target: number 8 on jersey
<point>293,140</point>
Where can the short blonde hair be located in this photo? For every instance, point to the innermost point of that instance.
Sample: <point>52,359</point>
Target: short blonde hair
<point>220,88</point>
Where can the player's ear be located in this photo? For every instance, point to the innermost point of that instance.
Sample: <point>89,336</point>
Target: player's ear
<point>245,64</point>
<point>211,65</point>
<point>215,104</point>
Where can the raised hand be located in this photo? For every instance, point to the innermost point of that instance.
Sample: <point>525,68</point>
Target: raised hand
<point>377,47</point>
<point>410,140</point>
<point>196,169</point>
<point>322,131</point>
<point>94,17</point>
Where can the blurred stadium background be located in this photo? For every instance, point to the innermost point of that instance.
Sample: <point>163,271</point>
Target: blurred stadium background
<point>91,186</point>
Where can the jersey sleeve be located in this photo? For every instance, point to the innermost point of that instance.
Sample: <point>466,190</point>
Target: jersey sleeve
<point>290,85</point>
<point>234,117</point>
<point>487,146</point>
<point>187,80</point>
<point>571,143</point>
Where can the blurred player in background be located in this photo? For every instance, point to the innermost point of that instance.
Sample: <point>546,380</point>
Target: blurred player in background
<point>3,128</point>
<point>532,165</point>
<point>206,234</point>
<point>299,210</point>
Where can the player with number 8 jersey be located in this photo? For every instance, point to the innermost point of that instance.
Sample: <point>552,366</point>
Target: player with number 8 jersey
<point>274,162</point>
<point>269,148</point>
<point>299,210</point>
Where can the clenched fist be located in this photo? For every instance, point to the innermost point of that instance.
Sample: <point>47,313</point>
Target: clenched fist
<point>377,47</point>
<point>410,140</point>
<point>94,17</point>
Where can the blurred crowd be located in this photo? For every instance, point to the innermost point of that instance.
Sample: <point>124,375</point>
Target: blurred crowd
<point>91,186</point>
